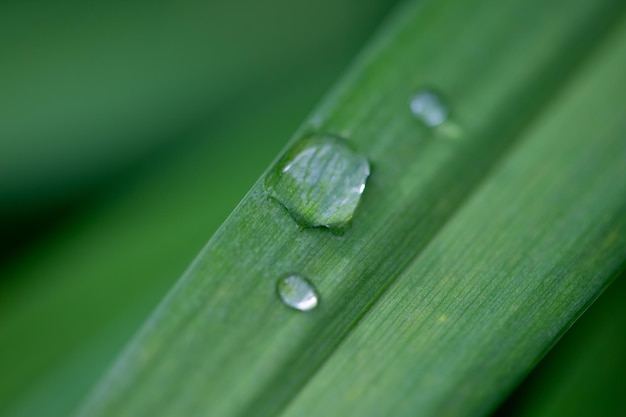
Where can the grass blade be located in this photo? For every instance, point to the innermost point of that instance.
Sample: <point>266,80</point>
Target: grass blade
<point>582,375</point>
<point>507,276</point>
<point>221,344</point>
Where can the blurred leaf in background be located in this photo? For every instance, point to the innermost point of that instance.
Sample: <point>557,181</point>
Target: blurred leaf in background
<point>89,90</point>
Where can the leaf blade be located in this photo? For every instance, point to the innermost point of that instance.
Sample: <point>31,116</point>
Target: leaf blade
<point>529,252</point>
<point>224,313</point>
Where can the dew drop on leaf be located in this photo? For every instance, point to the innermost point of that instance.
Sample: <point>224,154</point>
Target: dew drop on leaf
<point>429,108</point>
<point>297,292</point>
<point>320,181</point>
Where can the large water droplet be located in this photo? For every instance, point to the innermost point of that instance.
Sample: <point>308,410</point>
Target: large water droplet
<point>429,107</point>
<point>297,292</point>
<point>320,181</point>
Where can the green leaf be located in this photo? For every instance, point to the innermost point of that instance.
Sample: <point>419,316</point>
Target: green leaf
<point>475,245</point>
<point>583,374</point>
<point>531,249</point>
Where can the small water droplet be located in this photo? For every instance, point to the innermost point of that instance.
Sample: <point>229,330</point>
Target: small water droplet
<point>429,107</point>
<point>297,292</point>
<point>320,181</point>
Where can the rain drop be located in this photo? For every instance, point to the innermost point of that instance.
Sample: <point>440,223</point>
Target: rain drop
<point>429,107</point>
<point>320,181</point>
<point>297,292</point>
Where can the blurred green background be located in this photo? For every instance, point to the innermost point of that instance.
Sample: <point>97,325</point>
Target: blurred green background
<point>128,132</point>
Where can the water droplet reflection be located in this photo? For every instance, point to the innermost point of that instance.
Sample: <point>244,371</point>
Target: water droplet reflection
<point>320,181</point>
<point>297,292</point>
<point>429,107</point>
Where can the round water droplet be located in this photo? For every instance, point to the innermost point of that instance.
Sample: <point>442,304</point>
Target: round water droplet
<point>320,181</point>
<point>297,292</point>
<point>429,107</point>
